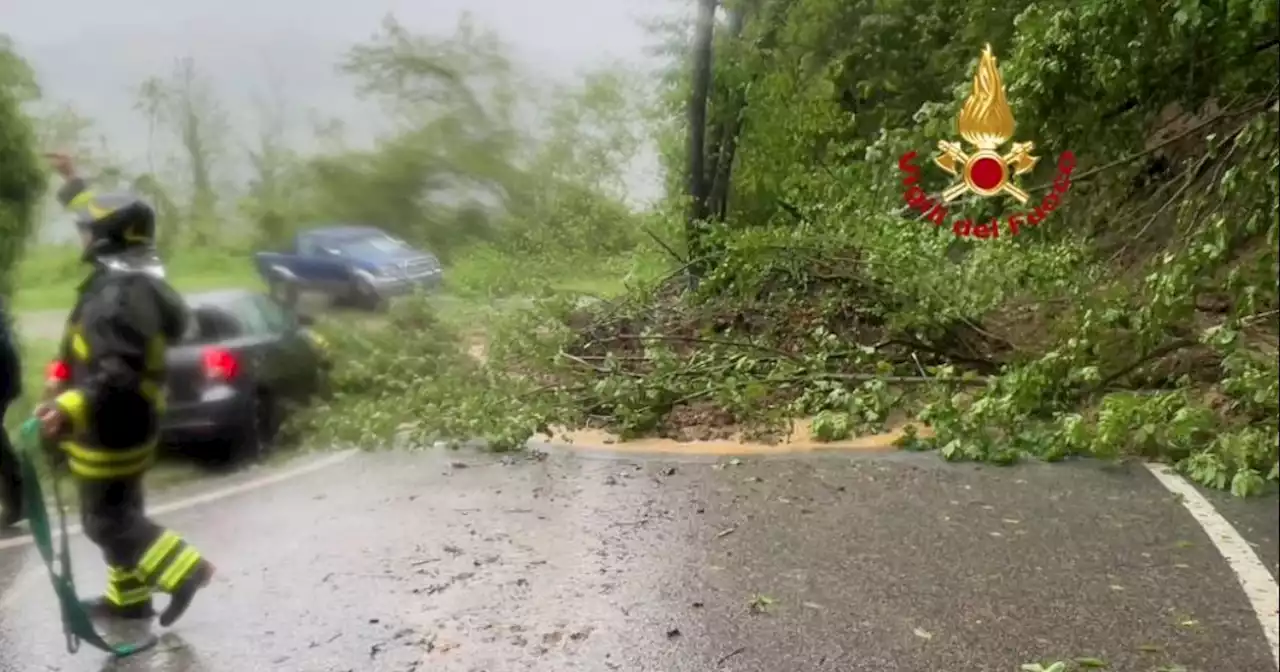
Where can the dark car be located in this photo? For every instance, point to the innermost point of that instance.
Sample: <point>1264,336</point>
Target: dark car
<point>353,265</point>
<point>244,362</point>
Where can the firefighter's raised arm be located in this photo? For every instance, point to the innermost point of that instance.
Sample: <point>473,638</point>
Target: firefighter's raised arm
<point>74,187</point>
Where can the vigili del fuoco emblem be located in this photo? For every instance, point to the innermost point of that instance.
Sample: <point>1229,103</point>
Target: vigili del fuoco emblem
<point>986,124</point>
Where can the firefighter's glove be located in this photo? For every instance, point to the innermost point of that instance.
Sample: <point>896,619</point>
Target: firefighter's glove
<point>54,423</point>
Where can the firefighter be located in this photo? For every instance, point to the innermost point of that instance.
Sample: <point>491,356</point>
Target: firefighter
<point>10,388</point>
<point>104,419</point>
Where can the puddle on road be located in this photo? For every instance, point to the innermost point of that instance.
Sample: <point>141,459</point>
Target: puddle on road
<point>801,440</point>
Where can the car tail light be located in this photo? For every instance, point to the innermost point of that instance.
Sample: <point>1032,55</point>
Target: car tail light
<point>220,365</point>
<point>58,372</point>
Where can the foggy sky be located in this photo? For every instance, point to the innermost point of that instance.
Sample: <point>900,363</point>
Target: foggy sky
<point>94,54</point>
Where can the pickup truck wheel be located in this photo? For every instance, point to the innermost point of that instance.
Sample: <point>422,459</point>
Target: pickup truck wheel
<point>366,296</point>
<point>284,292</point>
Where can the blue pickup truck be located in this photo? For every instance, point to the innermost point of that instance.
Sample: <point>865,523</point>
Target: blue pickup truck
<point>359,266</point>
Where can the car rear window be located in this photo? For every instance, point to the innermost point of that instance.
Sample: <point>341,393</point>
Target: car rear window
<point>210,325</point>
<point>258,315</point>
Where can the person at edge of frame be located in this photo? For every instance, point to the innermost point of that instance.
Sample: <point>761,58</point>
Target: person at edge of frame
<point>11,512</point>
<point>104,418</point>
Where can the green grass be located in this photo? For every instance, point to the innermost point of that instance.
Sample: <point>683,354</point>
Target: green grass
<point>35,356</point>
<point>48,275</point>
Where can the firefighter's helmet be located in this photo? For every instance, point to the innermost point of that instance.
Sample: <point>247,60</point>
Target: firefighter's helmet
<point>117,222</point>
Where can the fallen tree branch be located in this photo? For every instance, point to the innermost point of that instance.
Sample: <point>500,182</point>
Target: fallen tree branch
<point>793,211</point>
<point>693,339</point>
<point>1257,317</point>
<point>661,243</point>
<point>1157,353</point>
<point>916,345</point>
<point>1191,179</point>
<point>801,376</point>
<point>597,369</point>
<point>977,381</point>
<point>1075,179</point>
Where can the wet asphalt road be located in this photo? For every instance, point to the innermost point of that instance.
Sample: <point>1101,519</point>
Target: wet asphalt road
<point>889,563</point>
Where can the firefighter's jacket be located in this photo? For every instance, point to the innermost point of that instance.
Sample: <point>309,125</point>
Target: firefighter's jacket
<point>114,350</point>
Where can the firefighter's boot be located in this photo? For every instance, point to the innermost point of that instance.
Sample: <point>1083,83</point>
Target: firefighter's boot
<point>181,594</point>
<point>127,598</point>
<point>102,608</point>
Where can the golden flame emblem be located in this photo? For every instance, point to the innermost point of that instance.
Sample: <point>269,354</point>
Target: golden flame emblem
<point>986,122</point>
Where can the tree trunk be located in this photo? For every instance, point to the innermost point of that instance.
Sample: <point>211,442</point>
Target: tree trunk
<point>726,134</point>
<point>698,206</point>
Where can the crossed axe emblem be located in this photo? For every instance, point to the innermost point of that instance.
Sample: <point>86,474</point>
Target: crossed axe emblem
<point>985,173</point>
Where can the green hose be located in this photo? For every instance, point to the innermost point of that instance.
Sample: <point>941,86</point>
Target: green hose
<point>76,624</point>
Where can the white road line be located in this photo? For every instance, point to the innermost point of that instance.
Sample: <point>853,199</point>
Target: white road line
<point>29,578</point>
<point>214,496</point>
<point>1258,584</point>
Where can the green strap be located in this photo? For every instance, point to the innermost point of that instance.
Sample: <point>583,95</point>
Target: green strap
<point>76,624</point>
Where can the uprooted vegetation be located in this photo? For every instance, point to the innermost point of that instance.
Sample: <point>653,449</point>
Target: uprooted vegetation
<point>1140,319</point>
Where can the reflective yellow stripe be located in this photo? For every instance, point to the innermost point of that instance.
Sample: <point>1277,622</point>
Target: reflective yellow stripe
<point>97,212</point>
<point>152,390</point>
<point>83,454</point>
<point>179,569</point>
<point>72,404</point>
<point>82,200</point>
<point>126,598</point>
<point>119,574</point>
<point>156,554</point>
<point>99,464</point>
<point>97,472</point>
<point>79,347</point>
<point>155,353</point>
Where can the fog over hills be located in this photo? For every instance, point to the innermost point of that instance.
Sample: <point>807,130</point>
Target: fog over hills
<point>94,55</point>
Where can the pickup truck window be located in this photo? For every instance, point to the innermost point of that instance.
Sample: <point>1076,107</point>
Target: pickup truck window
<point>308,247</point>
<point>378,244</point>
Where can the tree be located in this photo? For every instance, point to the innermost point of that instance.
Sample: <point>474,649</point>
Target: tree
<point>276,190</point>
<point>186,104</point>
<point>63,128</point>
<point>729,115</point>
<point>696,175</point>
<point>572,197</point>
<point>449,164</point>
<point>22,175</point>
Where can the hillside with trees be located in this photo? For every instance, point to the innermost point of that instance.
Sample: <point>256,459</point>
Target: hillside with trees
<point>1140,320</point>
<point>786,277</point>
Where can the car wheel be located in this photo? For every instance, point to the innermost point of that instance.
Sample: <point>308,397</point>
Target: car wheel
<point>260,429</point>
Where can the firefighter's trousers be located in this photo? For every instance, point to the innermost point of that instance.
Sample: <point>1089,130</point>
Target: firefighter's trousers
<point>141,556</point>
